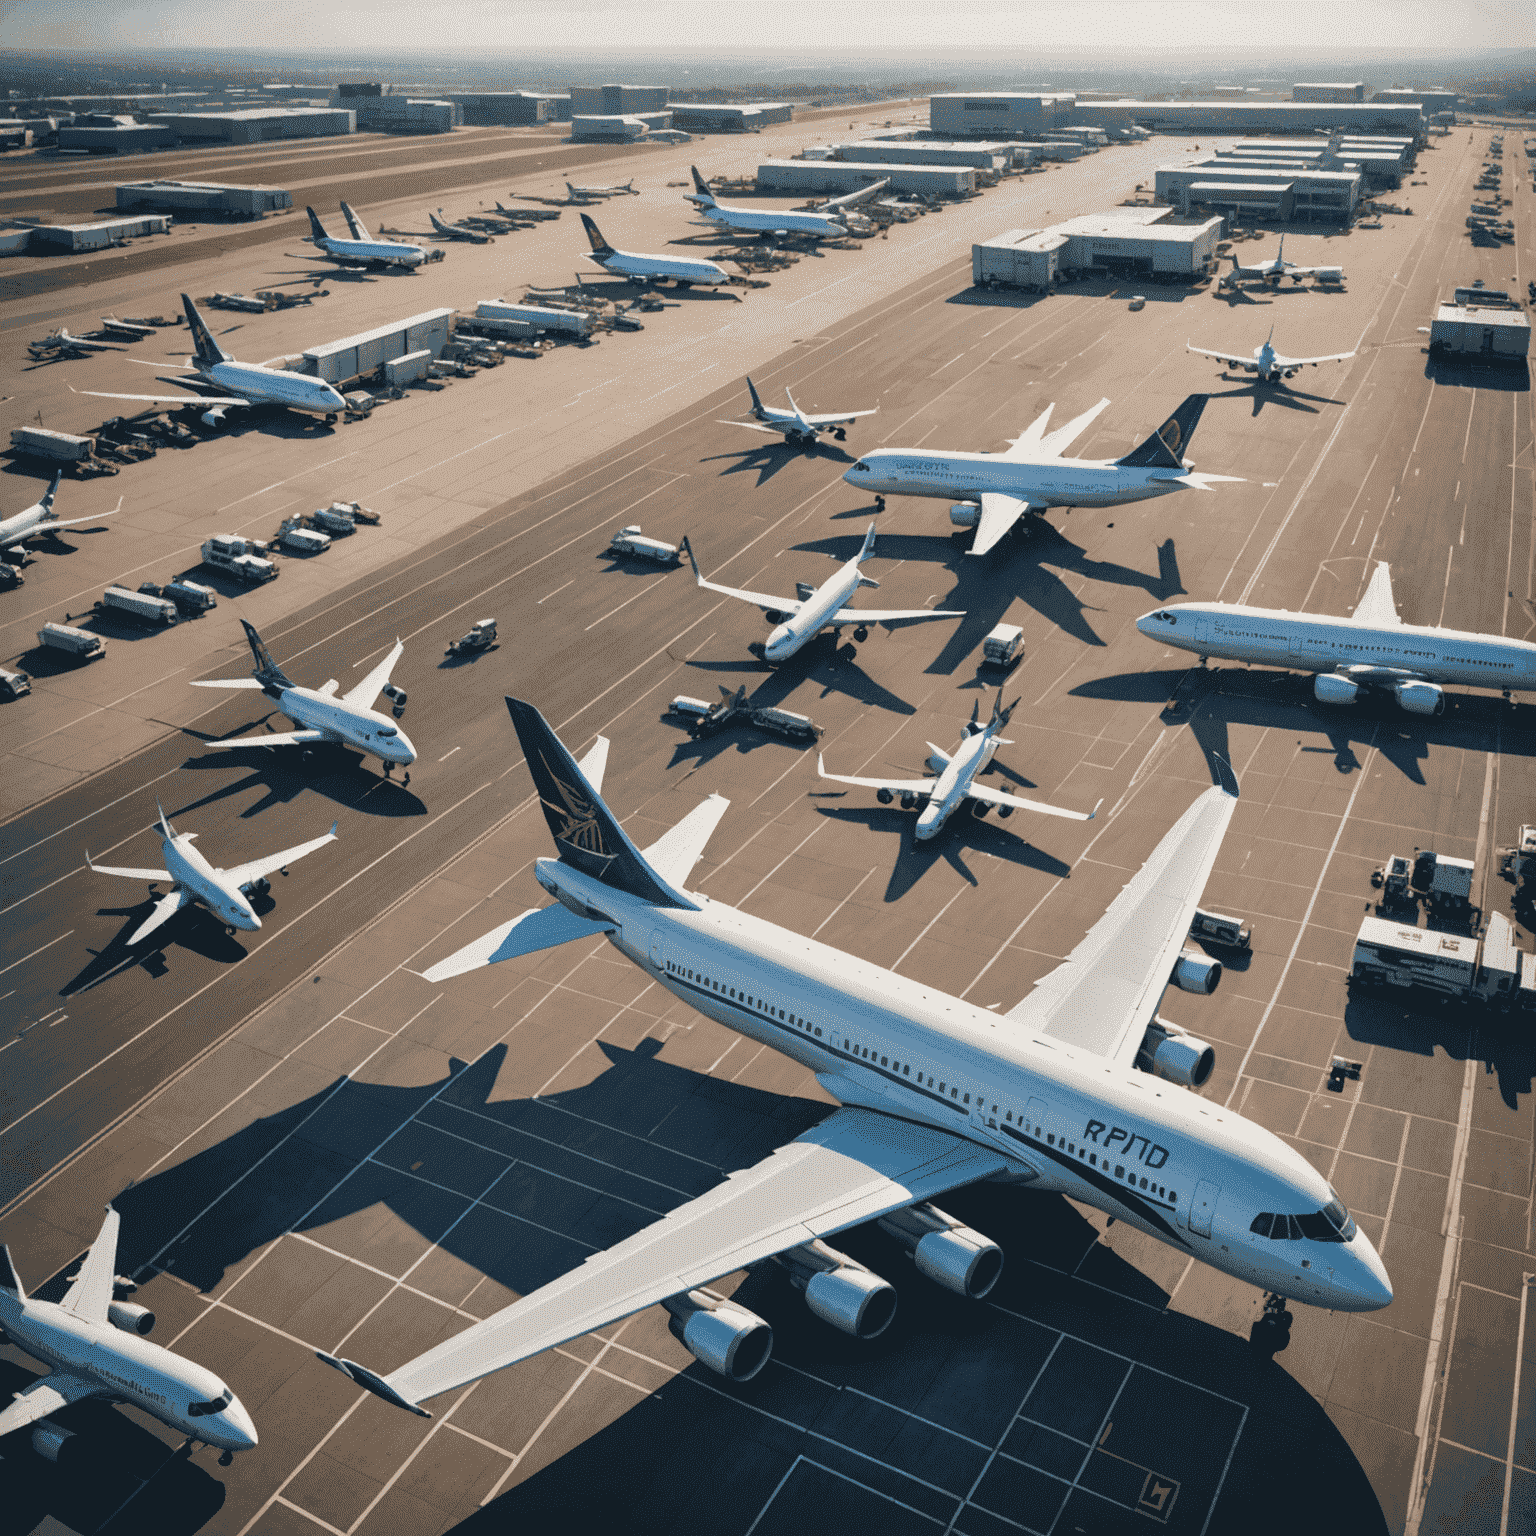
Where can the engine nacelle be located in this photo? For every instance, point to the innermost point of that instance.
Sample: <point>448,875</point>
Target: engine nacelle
<point>49,1439</point>
<point>131,1318</point>
<point>947,1251</point>
<point>773,618</point>
<point>965,514</point>
<point>1330,688</point>
<point>214,417</point>
<point>1420,698</point>
<point>1196,973</point>
<point>1167,1052</point>
<point>840,1290</point>
<point>729,1339</point>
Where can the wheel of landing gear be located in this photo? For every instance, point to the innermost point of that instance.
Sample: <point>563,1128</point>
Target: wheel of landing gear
<point>861,634</point>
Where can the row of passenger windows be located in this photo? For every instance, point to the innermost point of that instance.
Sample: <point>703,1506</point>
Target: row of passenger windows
<point>1135,1180</point>
<point>727,991</point>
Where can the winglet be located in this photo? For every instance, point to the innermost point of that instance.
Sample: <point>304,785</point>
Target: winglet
<point>1224,775</point>
<point>165,826</point>
<point>1095,811</point>
<point>9,1279</point>
<point>688,550</point>
<point>334,825</point>
<point>371,1382</point>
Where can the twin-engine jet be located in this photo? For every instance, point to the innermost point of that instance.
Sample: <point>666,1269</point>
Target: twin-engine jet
<point>617,189</point>
<point>1270,366</point>
<point>347,719</point>
<point>685,271</point>
<point>361,250</point>
<point>1371,651</point>
<point>1081,1090</point>
<point>96,1347</point>
<point>458,231</point>
<point>60,343</point>
<point>245,383</point>
<point>1271,271</point>
<point>954,780</point>
<point>39,518</point>
<point>759,221</point>
<point>225,892</point>
<point>794,425</point>
<point>797,621</point>
<point>993,491</point>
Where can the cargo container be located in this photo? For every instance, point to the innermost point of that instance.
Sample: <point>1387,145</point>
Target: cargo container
<point>42,443</point>
<point>1003,647</point>
<point>244,559</point>
<point>1478,331</point>
<point>139,606</point>
<point>400,371</point>
<point>80,643</point>
<point>353,356</point>
<point>1448,966</point>
<point>530,319</point>
<point>191,597</point>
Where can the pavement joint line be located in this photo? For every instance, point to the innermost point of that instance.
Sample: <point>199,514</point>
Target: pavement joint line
<point>310,1515</point>
<point>500,1450</point>
<point>313,1452</point>
<point>397,1282</point>
<point>500,1210</point>
<point>436,1429</point>
<point>581,1050</point>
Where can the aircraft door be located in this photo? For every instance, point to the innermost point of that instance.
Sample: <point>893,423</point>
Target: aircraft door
<point>1203,1207</point>
<point>658,953</point>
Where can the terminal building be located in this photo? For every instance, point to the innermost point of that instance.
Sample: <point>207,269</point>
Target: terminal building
<point>1144,242</point>
<point>837,176</point>
<point>1354,91</point>
<point>999,114</point>
<point>1402,119</point>
<point>1314,194</point>
<point>711,117</point>
<point>384,109</point>
<point>1432,101</point>
<point>984,157</point>
<point>202,199</point>
<point>621,129</point>
<point>257,125</point>
<point>109,136</point>
<point>484,109</point>
<point>618,100</point>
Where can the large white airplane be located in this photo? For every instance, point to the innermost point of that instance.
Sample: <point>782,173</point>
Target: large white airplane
<point>96,1348</point>
<point>1078,1090</point>
<point>954,780</point>
<point>458,231</point>
<point>244,383</point>
<point>682,270</point>
<point>61,341</point>
<point>1269,365</point>
<point>794,425</point>
<point>225,892</point>
<point>797,621</point>
<point>361,251</point>
<point>760,221</point>
<point>324,714</point>
<point>1271,271</point>
<point>1372,650</point>
<point>39,518</point>
<point>997,489</point>
<point>617,189</point>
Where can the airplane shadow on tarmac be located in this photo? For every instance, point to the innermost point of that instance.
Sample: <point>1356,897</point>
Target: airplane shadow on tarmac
<point>194,928</point>
<point>825,663</point>
<point>1263,394</point>
<point>769,458</point>
<point>662,1134</point>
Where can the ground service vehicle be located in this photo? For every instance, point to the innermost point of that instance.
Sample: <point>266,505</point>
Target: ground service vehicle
<point>630,541</point>
<point>299,540</point>
<point>190,597</point>
<point>139,606</point>
<point>244,559</point>
<point>80,643</point>
<point>1004,647</point>
<point>1215,928</point>
<point>14,684</point>
<point>482,637</point>
<point>1450,967</point>
<point>732,708</point>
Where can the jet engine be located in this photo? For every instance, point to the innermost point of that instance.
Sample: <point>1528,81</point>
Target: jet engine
<point>839,1290</point>
<point>727,1338</point>
<point>947,1251</point>
<point>131,1318</point>
<point>49,1439</point>
<point>214,417</point>
<point>1330,688</point>
<point>1167,1052</point>
<point>885,796</point>
<point>965,514</point>
<point>1420,698</point>
<point>1196,973</point>
<point>773,618</point>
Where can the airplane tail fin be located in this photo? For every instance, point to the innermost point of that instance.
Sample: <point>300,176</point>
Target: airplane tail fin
<point>600,246</point>
<point>757,404</point>
<point>10,1281</point>
<point>1001,716</point>
<point>585,831</point>
<point>701,186</point>
<point>869,545</point>
<point>53,490</point>
<point>316,228</point>
<point>1166,447</point>
<point>208,350</point>
<point>267,670</point>
<point>354,223</point>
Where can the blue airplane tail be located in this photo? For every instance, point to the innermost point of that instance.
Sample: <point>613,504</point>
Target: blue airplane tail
<point>267,670</point>
<point>1166,447</point>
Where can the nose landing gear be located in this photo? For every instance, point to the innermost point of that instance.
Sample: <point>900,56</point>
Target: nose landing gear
<point>1272,1332</point>
<point>227,1459</point>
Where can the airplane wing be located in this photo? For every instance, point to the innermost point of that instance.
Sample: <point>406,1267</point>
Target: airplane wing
<point>528,933</point>
<point>1103,995</point>
<point>276,739</point>
<point>127,873</point>
<point>68,522</point>
<point>854,1166</point>
<point>833,421</point>
<point>231,682</point>
<point>91,1293</point>
<point>1377,607</point>
<point>165,909</point>
<point>676,851</point>
<point>1302,362</point>
<point>42,1398</point>
<point>762,600</point>
<point>365,692</point>
<point>892,615</point>
<point>755,426</point>
<point>999,513</point>
<point>896,786</point>
<point>227,401</point>
<point>1222,357</point>
<point>258,869</point>
<point>989,796</point>
<point>1035,442</point>
<point>355,224</point>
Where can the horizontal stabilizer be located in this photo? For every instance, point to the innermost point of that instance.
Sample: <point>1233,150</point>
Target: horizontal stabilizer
<point>674,853</point>
<point>532,931</point>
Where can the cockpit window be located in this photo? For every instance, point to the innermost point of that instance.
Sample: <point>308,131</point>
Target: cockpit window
<point>1332,1224</point>
<point>388,730</point>
<point>861,465</point>
<point>213,1405</point>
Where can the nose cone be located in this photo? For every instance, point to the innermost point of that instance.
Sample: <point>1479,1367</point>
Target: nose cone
<point>780,643</point>
<point>1148,625</point>
<point>236,1432</point>
<point>247,920</point>
<point>402,751</point>
<point>1370,1288</point>
<point>853,476</point>
<point>332,398</point>
<point>929,821</point>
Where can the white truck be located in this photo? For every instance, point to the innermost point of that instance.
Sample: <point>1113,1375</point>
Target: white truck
<point>299,540</point>
<point>14,684</point>
<point>61,448</point>
<point>244,559</point>
<point>630,541</point>
<point>190,597</point>
<point>1003,647</point>
<point>141,607</point>
<point>1451,967</point>
<point>80,643</point>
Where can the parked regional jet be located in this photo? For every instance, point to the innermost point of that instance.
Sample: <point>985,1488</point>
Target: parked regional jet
<point>794,425</point>
<point>96,1348</point>
<point>225,892</point>
<point>348,718</point>
<point>797,621</point>
<point>361,251</point>
<point>458,231</point>
<point>762,221</point>
<point>1372,650</point>
<point>999,488</point>
<point>1271,271</point>
<point>16,529</point>
<point>245,383</point>
<point>1271,366</point>
<point>682,270</point>
<point>60,343</point>
<point>954,782</point>
<point>619,189</point>
<point>1078,1090</point>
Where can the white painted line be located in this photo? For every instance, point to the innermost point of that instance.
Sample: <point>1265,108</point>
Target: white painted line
<point>449,753</point>
<point>40,948</point>
<point>1514,1405</point>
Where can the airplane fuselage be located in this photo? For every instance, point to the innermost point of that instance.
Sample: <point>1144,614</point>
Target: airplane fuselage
<point>373,253</point>
<point>1184,1171</point>
<point>273,386</point>
<point>190,870</point>
<point>678,269</point>
<point>350,724</point>
<point>965,476</point>
<point>25,525</point>
<point>953,785</point>
<point>800,628</point>
<point>756,221</point>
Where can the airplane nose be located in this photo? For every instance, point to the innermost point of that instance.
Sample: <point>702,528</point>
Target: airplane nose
<point>241,1430</point>
<point>407,751</point>
<point>1146,623</point>
<point>775,646</point>
<point>1372,1283</point>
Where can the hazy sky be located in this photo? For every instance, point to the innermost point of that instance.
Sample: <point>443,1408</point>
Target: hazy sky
<point>1113,27</point>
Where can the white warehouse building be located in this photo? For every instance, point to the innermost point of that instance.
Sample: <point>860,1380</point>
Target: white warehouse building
<point>1149,242</point>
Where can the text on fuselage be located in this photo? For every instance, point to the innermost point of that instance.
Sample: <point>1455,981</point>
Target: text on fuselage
<point>1152,1155</point>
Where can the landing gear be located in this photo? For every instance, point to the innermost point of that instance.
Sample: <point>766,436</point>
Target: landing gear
<point>330,419</point>
<point>861,634</point>
<point>227,1459</point>
<point>879,503</point>
<point>1272,1332</point>
<point>407,778</point>
<point>840,434</point>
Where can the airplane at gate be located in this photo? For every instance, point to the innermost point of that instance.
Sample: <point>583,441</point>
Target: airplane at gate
<point>682,270</point>
<point>1272,271</point>
<point>361,251</point>
<point>761,221</point>
<point>1081,1089</point>
<point>96,1348</point>
<point>993,491</point>
<point>348,719</point>
<point>16,529</point>
<point>1371,651</point>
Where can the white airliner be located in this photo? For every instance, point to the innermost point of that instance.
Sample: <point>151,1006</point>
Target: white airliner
<point>618,189</point>
<point>348,719</point>
<point>954,782</point>
<point>244,383</point>
<point>225,892</point>
<point>1269,365</point>
<point>1271,271</point>
<point>61,341</point>
<point>458,231</point>
<point>992,491</point>
<point>797,621</point>
<point>760,221</point>
<point>682,270</point>
<point>1371,650</point>
<point>1081,1089</point>
<point>96,1348</point>
<point>39,518</point>
<point>361,251</point>
<point>794,425</point>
